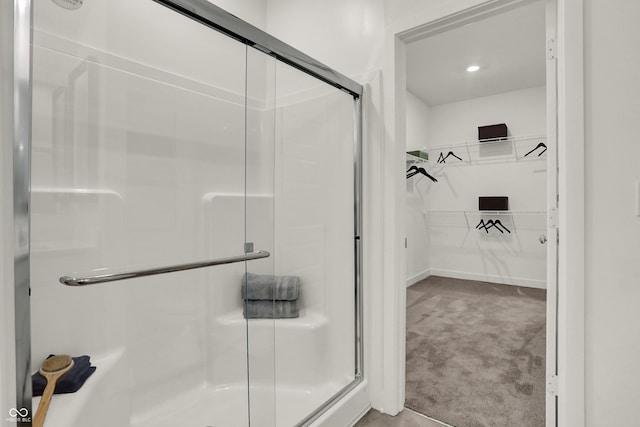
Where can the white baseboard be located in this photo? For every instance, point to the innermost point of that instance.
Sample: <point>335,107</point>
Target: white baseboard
<point>515,281</point>
<point>418,277</point>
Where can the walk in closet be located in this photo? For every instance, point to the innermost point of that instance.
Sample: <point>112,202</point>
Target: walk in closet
<point>447,192</point>
<point>476,221</point>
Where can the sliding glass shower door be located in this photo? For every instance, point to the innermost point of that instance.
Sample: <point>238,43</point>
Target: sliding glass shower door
<point>315,354</point>
<point>140,160</point>
<point>197,199</point>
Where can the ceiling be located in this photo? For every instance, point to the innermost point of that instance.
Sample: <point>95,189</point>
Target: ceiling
<point>509,48</point>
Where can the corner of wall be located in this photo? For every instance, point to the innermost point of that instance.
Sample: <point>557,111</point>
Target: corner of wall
<point>418,277</point>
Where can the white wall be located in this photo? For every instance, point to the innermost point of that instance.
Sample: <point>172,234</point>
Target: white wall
<point>457,248</point>
<point>417,122</point>
<point>346,36</point>
<point>417,252</point>
<point>612,248</point>
<point>523,111</point>
<point>252,11</point>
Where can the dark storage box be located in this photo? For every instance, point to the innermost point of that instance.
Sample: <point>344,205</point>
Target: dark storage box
<point>493,203</point>
<point>498,131</point>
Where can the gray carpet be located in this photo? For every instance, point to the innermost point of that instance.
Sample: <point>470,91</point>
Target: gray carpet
<point>476,353</point>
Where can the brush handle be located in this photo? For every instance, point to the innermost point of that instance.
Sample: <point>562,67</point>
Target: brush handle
<point>43,406</point>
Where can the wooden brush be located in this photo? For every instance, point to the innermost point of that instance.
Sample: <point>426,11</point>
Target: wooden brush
<point>52,369</point>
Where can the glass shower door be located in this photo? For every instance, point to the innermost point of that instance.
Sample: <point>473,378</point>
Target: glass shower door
<point>140,161</point>
<point>315,354</point>
<point>158,142</point>
<point>300,203</point>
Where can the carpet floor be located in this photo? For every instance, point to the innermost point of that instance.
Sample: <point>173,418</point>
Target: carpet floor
<point>476,353</point>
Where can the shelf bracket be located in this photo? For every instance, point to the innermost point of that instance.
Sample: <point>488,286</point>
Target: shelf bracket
<point>553,218</point>
<point>551,49</point>
<point>552,385</point>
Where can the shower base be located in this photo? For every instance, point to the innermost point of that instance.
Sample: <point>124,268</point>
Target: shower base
<point>101,402</point>
<point>228,406</point>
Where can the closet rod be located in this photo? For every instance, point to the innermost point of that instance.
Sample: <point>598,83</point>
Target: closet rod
<point>485,212</point>
<point>478,143</point>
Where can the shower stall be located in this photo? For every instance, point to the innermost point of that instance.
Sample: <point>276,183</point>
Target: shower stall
<point>176,149</point>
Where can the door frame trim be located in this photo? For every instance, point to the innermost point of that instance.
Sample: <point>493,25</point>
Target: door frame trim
<point>570,349</point>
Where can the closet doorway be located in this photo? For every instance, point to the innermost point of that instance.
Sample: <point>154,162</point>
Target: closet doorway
<point>481,249</point>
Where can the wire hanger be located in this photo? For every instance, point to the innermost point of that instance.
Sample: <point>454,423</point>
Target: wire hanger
<point>482,225</point>
<point>414,170</point>
<point>498,223</point>
<point>492,223</point>
<point>540,145</point>
<point>452,154</point>
<point>442,158</point>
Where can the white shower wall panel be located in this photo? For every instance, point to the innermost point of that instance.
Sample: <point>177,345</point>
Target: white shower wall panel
<point>225,321</point>
<point>148,33</point>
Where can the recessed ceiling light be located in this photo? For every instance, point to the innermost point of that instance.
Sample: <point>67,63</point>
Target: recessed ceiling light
<point>473,68</point>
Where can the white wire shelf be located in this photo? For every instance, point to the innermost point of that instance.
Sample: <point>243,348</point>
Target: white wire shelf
<point>524,220</point>
<point>462,212</point>
<point>518,148</point>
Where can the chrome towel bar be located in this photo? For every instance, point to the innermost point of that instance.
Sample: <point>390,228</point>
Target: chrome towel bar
<point>112,277</point>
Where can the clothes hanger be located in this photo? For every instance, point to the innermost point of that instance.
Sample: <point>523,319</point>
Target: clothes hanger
<point>452,154</point>
<point>482,225</point>
<point>540,145</point>
<point>493,224</point>
<point>442,158</point>
<point>498,223</point>
<point>423,172</point>
<point>412,171</point>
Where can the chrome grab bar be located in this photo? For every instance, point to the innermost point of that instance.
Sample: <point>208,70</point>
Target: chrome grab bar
<point>112,277</point>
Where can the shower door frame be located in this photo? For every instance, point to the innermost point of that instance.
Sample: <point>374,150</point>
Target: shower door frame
<point>219,20</point>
